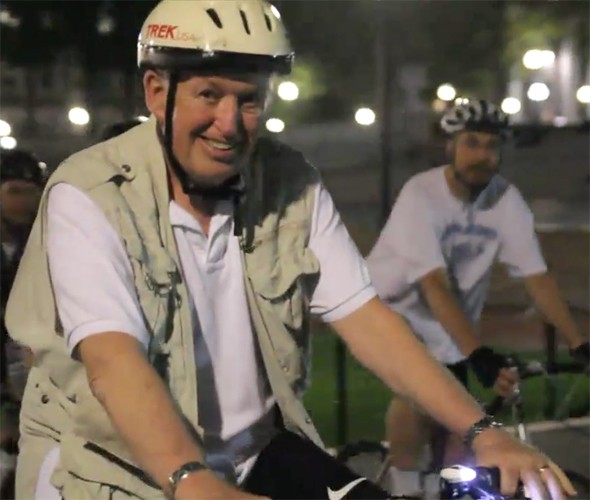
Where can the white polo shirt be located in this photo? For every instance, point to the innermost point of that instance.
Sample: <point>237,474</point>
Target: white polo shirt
<point>430,228</point>
<point>94,289</point>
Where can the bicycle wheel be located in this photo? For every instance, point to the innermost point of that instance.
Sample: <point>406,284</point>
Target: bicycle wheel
<point>581,484</point>
<point>368,459</point>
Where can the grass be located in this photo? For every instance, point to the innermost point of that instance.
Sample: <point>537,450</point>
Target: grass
<point>368,397</point>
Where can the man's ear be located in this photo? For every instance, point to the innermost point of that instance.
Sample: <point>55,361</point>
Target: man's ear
<point>155,89</point>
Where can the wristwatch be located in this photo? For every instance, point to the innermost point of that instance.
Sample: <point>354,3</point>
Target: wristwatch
<point>478,427</point>
<point>181,473</point>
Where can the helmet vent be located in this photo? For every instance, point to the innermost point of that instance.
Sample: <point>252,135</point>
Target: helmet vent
<point>245,21</point>
<point>268,23</point>
<point>215,18</point>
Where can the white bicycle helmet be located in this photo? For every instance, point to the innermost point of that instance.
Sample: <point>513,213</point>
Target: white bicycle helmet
<point>477,116</point>
<point>192,34</point>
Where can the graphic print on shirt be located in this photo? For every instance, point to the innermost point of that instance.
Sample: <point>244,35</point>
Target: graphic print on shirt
<point>462,245</point>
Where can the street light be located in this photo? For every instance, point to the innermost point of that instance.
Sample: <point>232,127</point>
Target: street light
<point>7,142</point>
<point>583,94</point>
<point>288,91</point>
<point>365,116</point>
<point>79,116</point>
<point>461,100</point>
<point>275,125</point>
<point>5,128</point>
<point>511,105</point>
<point>538,92</point>
<point>537,59</point>
<point>446,92</point>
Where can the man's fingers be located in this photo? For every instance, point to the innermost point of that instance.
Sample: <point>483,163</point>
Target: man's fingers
<point>503,387</point>
<point>552,484</point>
<point>509,481</point>
<point>509,374</point>
<point>564,482</point>
<point>535,487</point>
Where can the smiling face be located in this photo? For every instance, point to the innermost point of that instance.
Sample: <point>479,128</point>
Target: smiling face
<point>215,120</point>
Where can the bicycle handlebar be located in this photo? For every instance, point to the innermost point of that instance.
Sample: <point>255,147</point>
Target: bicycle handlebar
<point>479,483</point>
<point>534,368</point>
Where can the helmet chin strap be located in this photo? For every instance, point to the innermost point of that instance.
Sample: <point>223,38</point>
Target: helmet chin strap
<point>231,188</point>
<point>235,188</point>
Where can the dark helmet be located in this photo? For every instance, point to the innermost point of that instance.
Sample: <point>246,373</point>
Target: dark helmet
<point>119,128</point>
<point>17,164</point>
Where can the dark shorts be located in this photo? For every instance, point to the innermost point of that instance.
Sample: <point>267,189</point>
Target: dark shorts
<point>460,370</point>
<point>293,467</point>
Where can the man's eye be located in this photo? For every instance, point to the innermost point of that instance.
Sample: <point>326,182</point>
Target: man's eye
<point>209,95</point>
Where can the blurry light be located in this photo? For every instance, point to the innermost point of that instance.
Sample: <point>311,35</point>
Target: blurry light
<point>142,118</point>
<point>560,121</point>
<point>7,19</point>
<point>5,128</point>
<point>537,59</point>
<point>79,116</point>
<point>439,106</point>
<point>105,25</point>
<point>583,94</point>
<point>446,92</point>
<point>538,92</point>
<point>8,142</point>
<point>365,116</point>
<point>461,100</point>
<point>43,165</point>
<point>288,91</point>
<point>511,105</point>
<point>275,125</point>
<point>275,11</point>
<point>548,57</point>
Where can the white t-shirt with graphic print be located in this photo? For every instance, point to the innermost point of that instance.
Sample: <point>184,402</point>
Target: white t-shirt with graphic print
<point>430,228</point>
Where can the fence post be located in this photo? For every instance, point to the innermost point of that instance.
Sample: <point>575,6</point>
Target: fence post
<point>341,394</point>
<point>551,360</point>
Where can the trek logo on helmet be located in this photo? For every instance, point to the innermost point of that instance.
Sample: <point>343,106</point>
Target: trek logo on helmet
<point>168,31</point>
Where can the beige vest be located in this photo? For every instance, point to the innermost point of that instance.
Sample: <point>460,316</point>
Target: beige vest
<point>126,178</point>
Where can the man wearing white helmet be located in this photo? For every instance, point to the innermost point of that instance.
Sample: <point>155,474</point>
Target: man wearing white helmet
<point>432,264</point>
<point>167,286</point>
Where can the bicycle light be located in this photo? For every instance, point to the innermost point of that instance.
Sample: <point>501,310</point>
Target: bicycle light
<point>458,474</point>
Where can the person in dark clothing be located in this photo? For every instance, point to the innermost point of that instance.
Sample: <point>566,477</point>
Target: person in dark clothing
<point>21,181</point>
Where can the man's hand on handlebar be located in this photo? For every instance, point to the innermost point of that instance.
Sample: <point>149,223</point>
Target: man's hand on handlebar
<point>506,381</point>
<point>493,370</point>
<point>518,461</point>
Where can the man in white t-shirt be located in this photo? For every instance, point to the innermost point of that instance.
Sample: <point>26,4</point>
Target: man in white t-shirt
<point>433,259</point>
<point>208,68</point>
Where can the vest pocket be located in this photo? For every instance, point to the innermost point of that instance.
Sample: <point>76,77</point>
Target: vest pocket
<point>284,292</point>
<point>89,471</point>
<point>44,407</point>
